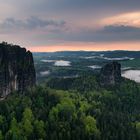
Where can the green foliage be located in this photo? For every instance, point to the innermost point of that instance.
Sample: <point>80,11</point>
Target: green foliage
<point>14,132</point>
<point>1,136</point>
<point>138,130</point>
<point>27,128</point>
<point>91,128</point>
<point>92,114</point>
<point>39,127</point>
<point>27,115</point>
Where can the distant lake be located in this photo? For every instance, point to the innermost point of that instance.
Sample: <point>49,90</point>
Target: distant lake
<point>62,63</point>
<point>132,75</point>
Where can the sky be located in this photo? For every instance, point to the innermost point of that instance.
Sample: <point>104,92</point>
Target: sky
<point>59,25</point>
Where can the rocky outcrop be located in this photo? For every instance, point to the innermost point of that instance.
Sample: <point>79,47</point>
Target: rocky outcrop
<point>110,74</point>
<point>17,71</point>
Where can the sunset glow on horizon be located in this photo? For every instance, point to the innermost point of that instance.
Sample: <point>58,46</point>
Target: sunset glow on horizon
<point>89,47</point>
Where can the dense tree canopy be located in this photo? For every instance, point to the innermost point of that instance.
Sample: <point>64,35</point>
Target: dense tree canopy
<point>80,112</point>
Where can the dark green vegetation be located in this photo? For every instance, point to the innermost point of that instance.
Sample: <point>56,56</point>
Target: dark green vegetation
<point>72,109</point>
<point>71,104</point>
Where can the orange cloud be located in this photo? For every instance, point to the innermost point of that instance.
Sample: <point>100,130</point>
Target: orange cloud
<point>128,19</point>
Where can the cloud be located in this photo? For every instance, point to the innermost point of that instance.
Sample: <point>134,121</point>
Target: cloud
<point>41,31</point>
<point>69,20</point>
<point>127,19</point>
<point>32,23</point>
<point>90,3</point>
<point>106,34</point>
<point>119,33</point>
<point>120,29</point>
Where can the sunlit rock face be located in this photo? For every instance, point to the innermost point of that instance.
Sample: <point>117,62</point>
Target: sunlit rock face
<point>17,71</point>
<point>110,74</point>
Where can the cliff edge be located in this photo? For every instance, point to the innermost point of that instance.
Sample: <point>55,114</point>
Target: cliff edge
<point>17,71</point>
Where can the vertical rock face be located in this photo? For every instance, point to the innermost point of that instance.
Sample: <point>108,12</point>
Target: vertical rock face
<point>17,71</point>
<point>110,74</point>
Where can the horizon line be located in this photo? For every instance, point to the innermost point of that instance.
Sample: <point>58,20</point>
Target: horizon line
<point>83,51</point>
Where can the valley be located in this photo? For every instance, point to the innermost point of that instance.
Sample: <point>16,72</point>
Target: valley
<point>74,64</point>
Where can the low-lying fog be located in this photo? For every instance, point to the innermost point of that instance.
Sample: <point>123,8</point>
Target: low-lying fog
<point>62,63</point>
<point>126,71</point>
<point>108,58</point>
<point>45,73</point>
<point>58,62</point>
<point>132,75</point>
<point>95,67</point>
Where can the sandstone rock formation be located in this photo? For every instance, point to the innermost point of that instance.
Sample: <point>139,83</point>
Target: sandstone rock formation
<point>110,74</point>
<point>17,70</point>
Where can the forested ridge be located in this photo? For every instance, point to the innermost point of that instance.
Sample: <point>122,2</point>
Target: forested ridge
<point>76,109</point>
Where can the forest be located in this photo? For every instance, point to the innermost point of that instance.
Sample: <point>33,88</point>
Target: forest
<point>72,109</point>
